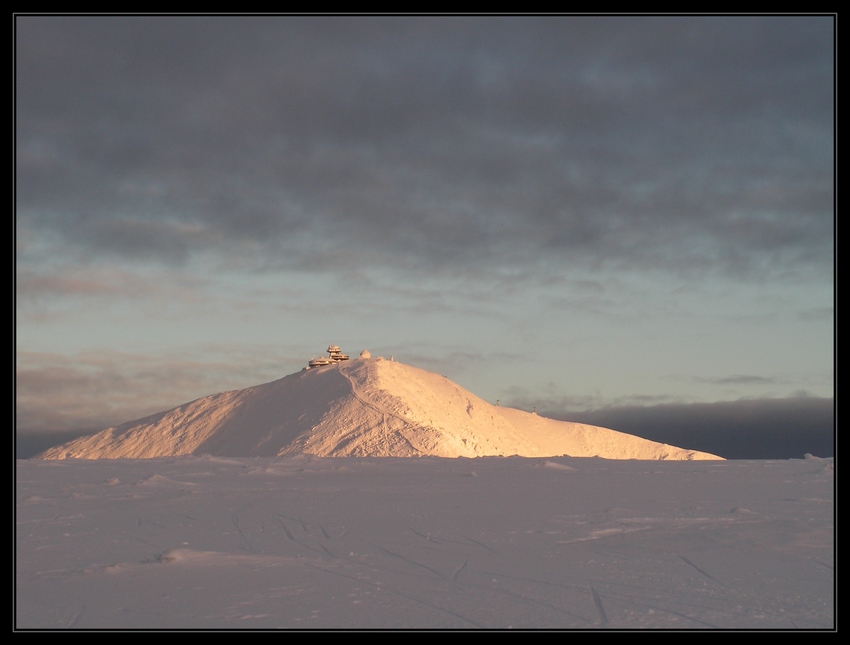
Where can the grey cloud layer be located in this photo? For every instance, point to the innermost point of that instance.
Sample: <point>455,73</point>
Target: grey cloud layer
<point>785,428</point>
<point>453,142</point>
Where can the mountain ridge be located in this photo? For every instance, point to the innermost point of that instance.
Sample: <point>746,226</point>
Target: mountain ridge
<point>361,408</point>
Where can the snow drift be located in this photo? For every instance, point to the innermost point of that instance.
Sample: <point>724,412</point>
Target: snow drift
<point>369,407</point>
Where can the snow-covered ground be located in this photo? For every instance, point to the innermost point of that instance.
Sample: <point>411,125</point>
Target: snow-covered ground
<point>364,408</point>
<point>310,542</point>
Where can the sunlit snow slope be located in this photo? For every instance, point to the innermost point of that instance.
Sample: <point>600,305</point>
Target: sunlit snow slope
<point>367,407</point>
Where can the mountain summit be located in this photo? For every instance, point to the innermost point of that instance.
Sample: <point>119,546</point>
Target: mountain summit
<point>368,407</point>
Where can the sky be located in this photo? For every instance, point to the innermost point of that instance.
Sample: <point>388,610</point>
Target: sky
<point>569,213</point>
<point>393,543</point>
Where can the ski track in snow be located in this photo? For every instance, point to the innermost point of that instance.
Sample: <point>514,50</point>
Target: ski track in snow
<point>355,391</point>
<point>597,601</point>
<point>710,577</point>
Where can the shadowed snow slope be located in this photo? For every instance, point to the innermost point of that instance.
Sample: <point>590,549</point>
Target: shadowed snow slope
<point>364,408</point>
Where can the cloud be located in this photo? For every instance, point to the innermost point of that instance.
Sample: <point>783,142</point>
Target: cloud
<point>742,379</point>
<point>61,291</point>
<point>785,428</point>
<point>432,143</point>
<point>58,393</point>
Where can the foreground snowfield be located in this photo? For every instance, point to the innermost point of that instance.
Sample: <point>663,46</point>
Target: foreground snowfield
<point>307,542</point>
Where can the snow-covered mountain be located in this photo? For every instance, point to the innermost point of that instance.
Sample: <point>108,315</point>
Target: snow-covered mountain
<point>371,407</point>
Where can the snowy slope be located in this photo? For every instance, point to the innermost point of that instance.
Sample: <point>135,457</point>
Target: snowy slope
<point>364,408</point>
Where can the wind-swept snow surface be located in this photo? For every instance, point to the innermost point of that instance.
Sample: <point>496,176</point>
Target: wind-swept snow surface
<point>308,542</point>
<point>364,408</point>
